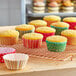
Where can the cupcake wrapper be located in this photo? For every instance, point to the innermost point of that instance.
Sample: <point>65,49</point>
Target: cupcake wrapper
<point>56,47</point>
<point>71,40</point>
<point>72,25</point>
<point>15,65</point>
<point>24,32</point>
<point>59,29</point>
<point>11,51</point>
<point>8,40</point>
<point>32,43</point>
<point>50,22</point>
<point>46,35</point>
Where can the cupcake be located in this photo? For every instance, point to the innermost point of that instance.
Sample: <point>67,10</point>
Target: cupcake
<point>51,19</point>
<point>32,40</point>
<point>4,51</point>
<point>23,29</point>
<point>67,6</point>
<point>15,61</point>
<point>38,7</point>
<point>46,31</point>
<point>38,23</point>
<point>53,7</point>
<point>56,43</point>
<point>71,36</point>
<point>71,21</point>
<point>9,37</point>
<point>60,26</point>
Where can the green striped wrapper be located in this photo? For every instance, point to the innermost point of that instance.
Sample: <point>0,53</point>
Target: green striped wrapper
<point>21,33</point>
<point>59,29</point>
<point>56,46</point>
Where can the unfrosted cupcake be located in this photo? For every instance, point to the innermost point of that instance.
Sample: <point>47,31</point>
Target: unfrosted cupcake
<point>71,21</point>
<point>16,61</point>
<point>38,23</point>
<point>56,43</point>
<point>46,31</point>
<point>9,37</point>
<point>51,19</point>
<point>32,40</point>
<point>60,26</point>
<point>71,36</point>
<point>23,29</point>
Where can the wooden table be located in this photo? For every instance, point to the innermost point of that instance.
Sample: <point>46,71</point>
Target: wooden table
<point>41,67</point>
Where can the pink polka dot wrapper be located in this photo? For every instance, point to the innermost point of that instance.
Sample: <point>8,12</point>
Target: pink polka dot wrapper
<point>4,51</point>
<point>32,43</point>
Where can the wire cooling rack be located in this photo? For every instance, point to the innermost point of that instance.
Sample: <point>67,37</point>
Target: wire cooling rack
<point>44,53</point>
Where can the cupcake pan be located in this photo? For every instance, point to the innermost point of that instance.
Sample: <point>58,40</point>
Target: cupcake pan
<point>16,61</point>
<point>59,29</point>
<point>43,52</point>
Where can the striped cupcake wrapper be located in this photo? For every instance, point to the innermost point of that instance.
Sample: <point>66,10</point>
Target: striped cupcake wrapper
<point>32,43</point>
<point>56,47</point>
<point>15,65</point>
<point>24,32</point>
<point>59,29</point>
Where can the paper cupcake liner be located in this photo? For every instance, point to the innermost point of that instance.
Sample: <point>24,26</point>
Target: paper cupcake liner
<point>50,22</point>
<point>71,40</point>
<point>56,47</point>
<point>59,29</point>
<point>45,35</point>
<point>15,64</point>
<point>4,51</point>
<point>32,43</point>
<point>24,32</point>
<point>8,40</point>
<point>72,25</point>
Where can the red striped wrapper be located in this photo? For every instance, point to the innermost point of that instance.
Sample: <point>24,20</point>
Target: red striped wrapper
<point>45,35</point>
<point>72,25</point>
<point>32,43</point>
<point>4,51</point>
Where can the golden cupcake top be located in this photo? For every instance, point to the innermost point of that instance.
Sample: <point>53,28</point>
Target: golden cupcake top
<point>45,30</point>
<point>38,23</point>
<point>25,27</point>
<point>56,38</point>
<point>60,24</point>
<point>9,33</point>
<point>52,18</point>
<point>67,3</point>
<point>69,33</point>
<point>69,19</point>
<point>32,36</point>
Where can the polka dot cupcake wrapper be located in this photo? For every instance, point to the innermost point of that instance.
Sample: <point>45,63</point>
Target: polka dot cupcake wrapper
<point>46,35</point>
<point>59,29</point>
<point>56,47</point>
<point>32,43</point>
<point>4,51</point>
<point>24,32</point>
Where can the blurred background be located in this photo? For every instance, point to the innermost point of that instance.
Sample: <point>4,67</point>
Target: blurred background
<point>15,12</point>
